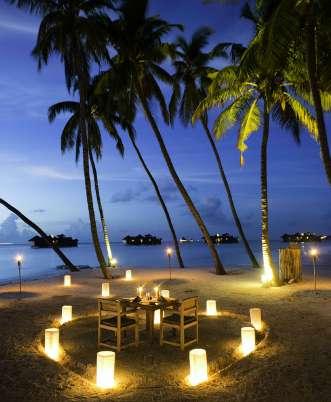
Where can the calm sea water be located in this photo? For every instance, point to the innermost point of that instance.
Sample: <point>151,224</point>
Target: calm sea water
<point>43,262</point>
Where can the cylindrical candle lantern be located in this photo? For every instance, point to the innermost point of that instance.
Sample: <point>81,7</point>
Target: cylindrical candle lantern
<point>52,343</point>
<point>156,292</point>
<point>66,314</point>
<point>247,340</point>
<point>140,291</point>
<point>105,369</point>
<point>128,274</point>
<point>256,319</point>
<point>105,290</point>
<point>198,366</point>
<point>157,317</point>
<point>67,280</point>
<point>211,307</point>
<point>165,293</point>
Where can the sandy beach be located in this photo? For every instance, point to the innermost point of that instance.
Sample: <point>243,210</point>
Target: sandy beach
<point>291,362</point>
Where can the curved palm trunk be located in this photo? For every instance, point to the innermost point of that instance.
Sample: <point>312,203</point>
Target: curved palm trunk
<point>313,81</point>
<point>102,217</point>
<point>218,264</point>
<point>66,260</point>
<point>270,275</point>
<point>249,251</point>
<point>88,191</point>
<point>161,200</point>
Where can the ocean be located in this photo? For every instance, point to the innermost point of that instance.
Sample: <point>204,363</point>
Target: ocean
<point>40,263</point>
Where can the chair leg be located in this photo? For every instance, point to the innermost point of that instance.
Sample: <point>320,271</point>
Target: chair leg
<point>99,335</point>
<point>118,340</point>
<point>182,338</point>
<point>161,334</point>
<point>197,333</point>
<point>136,335</point>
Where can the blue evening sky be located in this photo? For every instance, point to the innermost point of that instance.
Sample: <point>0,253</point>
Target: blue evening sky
<point>48,186</point>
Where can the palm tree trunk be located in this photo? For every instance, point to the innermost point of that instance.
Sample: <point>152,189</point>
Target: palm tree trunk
<point>102,217</point>
<point>65,260</point>
<point>270,275</point>
<point>313,81</point>
<point>218,264</point>
<point>249,251</point>
<point>88,191</point>
<point>159,196</point>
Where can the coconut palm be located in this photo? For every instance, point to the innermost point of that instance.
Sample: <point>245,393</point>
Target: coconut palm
<point>70,138</point>
<point>76,32</point>
<point>192,66</point>
<point>252,100</point>
<point>138,40</point>
<point>295,35</point>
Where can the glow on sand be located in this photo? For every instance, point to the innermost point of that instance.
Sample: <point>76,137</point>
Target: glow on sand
<point>198,366</point>
<point>105,369</point>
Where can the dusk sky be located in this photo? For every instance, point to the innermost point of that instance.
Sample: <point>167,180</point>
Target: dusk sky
<point>48,186</point>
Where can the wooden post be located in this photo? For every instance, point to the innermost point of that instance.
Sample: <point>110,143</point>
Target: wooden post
<point>290,263</point>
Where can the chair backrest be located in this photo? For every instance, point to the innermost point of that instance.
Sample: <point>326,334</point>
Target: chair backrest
<point>112,306</point>
<point>190,303</point>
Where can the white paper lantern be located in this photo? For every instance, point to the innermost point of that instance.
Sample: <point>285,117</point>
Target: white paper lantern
<point>105,289</point>
<point>247,340</point>
<point>128,275</point>
<point>52,343</point>
<point>157,317</point>
<point>211,307</point>
<point>66,314</point>
<point>105,369</point>
<point>140,290</point>
<point>165,293</point>
<point>198,366</point>
<point>256,318</point>
<point>67,280</point>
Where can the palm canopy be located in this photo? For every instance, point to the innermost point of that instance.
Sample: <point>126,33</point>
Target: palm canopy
<point>71,138</point>
<point>138,41</point>
<point>192,69</point>
<point>242,97</point>
<point>76,30</point>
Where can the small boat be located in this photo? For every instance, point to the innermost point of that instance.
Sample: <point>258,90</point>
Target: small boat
<point>303,237</point>
<point>59,241</point>
<point>146,240</point>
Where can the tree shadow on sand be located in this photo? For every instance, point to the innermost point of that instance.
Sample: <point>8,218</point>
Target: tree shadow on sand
<point>17,295</point>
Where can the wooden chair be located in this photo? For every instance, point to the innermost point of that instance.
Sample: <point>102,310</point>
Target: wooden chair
<point>116,317</point>
<point>180,317</point>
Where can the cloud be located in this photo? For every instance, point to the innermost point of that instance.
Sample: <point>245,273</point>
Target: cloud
<point>10,232</point>
<point>18,26</point>
<point>129,195</point>
<point>39,211</point>
<point>51,173</point>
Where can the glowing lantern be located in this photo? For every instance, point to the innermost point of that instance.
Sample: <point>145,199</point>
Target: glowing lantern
<point>66,314</point>
<point>113,263</point>
<point>256,320</point>
<point>157,292</point>
<point>52,343</point>
<point>198,366</point>
<point>165,293</point>
<point>67,280</point>
<point>128,275</point>
<point>247,340</point>
<point>105,290</point>
<point>140,290</point>
<point>211,307</point>
<point>157,317</point>
<point>105,369</point>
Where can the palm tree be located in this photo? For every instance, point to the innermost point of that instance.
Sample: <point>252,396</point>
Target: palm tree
<point>295,35</point>
<point>38,229</point>
<point>76,32</point>
<point>252,100</point>
<point>108,109</point>
<point>140,51</point>
<point>192,68</point>
<point>71,138</point>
